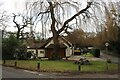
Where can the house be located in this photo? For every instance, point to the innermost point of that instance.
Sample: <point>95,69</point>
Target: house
<point>33,47</point>
<point>35,51</point>
<point>65,49</point>
<point>45,49</point>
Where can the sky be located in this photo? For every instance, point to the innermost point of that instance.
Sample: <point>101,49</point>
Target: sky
<point>17,6</point>
<point>13,6</point>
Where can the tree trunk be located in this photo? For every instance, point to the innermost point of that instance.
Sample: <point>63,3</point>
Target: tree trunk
<point>56,48</point>
<point>18,33</point>
<point>3,33</point>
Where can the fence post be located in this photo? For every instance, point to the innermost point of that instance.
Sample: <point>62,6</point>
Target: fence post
<point>4,62</point>
<point>15,64</point>
<point>38,66</point>
<point>79,67</point>
<point>106,65</point>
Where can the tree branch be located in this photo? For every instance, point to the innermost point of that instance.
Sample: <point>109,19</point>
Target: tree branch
<point>52,17</point>
<point>77,14</point>
<point>17,25</point>
<point>43,12</point>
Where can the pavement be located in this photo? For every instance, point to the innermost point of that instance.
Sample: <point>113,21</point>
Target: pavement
<point>8,72</point>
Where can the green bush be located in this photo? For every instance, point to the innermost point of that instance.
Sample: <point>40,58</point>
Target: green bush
<point>12,47</point>
<point>8,47</point>
<point>96,52</point>
<point>55,57</point>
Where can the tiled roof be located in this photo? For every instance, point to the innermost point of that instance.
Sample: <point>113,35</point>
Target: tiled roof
<point>41,44</point>
<point>61,45</point>
<point>33,44</point>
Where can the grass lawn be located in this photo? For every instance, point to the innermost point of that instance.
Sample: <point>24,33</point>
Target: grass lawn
<point>87,55</point>
<point>61,66</point>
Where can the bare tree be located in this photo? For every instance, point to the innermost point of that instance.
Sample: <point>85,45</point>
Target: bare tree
<point>77,37</point>
<point>4,20</point>
<point>111,23</point>
<point>19,26</point>
<point>109,28</point>
<point>60,16</point>
<point>34,16</point>
<point>53,13</point>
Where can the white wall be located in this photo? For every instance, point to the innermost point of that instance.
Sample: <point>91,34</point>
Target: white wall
<point>68,51</point>
<point>41,53</point>
<point>31,50</point>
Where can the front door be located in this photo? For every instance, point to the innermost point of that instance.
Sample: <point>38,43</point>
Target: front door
<point>49,53</point>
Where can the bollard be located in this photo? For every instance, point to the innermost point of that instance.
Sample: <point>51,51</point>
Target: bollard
<point>38,67</point>
<point>106,66</point>
<point>15,64</point>
<point>79,67</point>
<point>4,62</point>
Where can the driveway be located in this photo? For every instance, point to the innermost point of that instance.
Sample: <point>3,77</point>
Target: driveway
<point>103,57</point>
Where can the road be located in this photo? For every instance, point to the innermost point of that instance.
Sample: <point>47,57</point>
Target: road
<point>8,72</point>
<point>113,59</point>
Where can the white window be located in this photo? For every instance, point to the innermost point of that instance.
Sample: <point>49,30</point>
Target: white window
<point>41,51</point>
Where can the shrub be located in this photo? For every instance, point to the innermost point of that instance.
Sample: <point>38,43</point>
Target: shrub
<point>12,48</point>
<point>96,52</point>
<point>9,46</point>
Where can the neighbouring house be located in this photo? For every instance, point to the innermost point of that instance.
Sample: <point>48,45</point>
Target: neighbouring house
<point>36,51</point>
<point>45,49</point>
<point>33,47</point>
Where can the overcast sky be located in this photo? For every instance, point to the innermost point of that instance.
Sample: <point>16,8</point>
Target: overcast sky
<point>12,6</point>
<point>17,6</point>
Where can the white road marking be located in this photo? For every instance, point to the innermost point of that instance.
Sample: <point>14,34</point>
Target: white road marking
<point>40,74</point>
<point>31,72</point>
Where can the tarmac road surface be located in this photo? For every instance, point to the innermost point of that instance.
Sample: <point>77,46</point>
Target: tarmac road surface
<point>8,72</point>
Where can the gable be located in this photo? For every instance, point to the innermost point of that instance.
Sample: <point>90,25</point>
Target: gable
<point>48,44</point>
<point>52,46</point>
<point>61,42</point>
